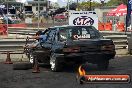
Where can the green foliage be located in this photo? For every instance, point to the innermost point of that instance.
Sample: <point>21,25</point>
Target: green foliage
<point>116,2</point>
<point>55,5</point>
<point>86,5</point>
<point>73,6</point>
<point>124,1</point>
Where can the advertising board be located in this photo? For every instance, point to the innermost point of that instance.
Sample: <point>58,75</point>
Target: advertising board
<point>83,18</point>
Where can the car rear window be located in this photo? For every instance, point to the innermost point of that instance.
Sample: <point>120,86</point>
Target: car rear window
<point>79,32</point>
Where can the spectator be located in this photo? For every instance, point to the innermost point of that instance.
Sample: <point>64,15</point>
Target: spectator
<point>40,37</point>
<point>120,26</point>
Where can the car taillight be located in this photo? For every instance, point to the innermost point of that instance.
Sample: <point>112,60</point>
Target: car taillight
<point>108,47</point>
<point>71,49</point>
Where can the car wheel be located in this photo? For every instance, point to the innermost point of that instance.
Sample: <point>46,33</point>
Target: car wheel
<point>80,79</point>
<point>22,66</point>
<point>31,58</point>
<point>103,65</point>
<point>55,65</point>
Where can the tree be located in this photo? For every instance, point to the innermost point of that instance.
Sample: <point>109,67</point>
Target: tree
<point>73,6</point>
<point>55,5</point>
<point>124,1</point>
<point>116,2</point>
<point>86,5</point>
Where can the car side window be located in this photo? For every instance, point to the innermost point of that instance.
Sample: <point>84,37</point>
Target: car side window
<point>62,35</point>
<point>50,36</point>
<point>93,33</point>
<point>85,31</point>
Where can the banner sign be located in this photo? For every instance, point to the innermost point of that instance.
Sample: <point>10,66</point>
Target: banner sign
<point>128,16</point>
<point>83,18</point>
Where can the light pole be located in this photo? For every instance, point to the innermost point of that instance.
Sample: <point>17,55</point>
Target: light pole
<point>68,5</point>
<point>90,5</point>
<point>7,15</point>
<point>77,5</point>
<point>38,14</point>
<point>102,4</point>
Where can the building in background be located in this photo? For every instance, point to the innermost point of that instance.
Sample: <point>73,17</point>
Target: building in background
<point>102,11</point>
<point>43,5</point>
<point>17,5</point>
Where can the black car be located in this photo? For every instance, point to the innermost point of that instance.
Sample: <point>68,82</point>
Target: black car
<point>130,44</point>
<point>78,44</point>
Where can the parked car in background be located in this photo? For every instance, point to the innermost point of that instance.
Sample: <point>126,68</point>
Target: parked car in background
<point>11,18</point>
<point>44,14</point>
<point>60,17</point>
<point>14,18</point>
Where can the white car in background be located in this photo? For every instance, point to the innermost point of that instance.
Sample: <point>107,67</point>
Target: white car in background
<point>14,18</point>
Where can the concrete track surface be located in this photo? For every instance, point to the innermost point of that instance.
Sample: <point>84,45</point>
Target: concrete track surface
<point>10,78</point>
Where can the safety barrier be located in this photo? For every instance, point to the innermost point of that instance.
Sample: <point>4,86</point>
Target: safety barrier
<point>120,38</point>
<point>120,41</point>
<point>3,29</point>
<point>13,44</point>
<point>18,25</point>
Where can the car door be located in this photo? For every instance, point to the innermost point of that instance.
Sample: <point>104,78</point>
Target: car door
<point>43,52</point>
<point>47,45</point>
<point>130,44</point>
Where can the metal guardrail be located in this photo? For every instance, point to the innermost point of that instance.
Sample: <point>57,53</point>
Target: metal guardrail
<point>13,44</point>
<point>16,44</point>
<point>119,38</point>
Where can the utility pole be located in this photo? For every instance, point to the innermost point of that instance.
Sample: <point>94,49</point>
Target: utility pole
<point>90,5</point>
<point>77,5</point>
<point>102,2</point>
<point>7,15</point>
<point>68,5</point>
<point>38,14</point>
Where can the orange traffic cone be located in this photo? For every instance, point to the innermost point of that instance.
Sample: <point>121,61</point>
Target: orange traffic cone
<point>36,67</point>
<point>8,59</point>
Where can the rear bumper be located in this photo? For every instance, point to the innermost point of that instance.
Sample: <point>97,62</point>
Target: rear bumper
<point>88,56</point>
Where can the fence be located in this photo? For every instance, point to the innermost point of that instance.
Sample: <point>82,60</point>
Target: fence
<point>31,21</point>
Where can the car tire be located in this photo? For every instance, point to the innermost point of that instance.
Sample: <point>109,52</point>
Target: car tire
<point>31,58</point>
<point>54,62</point>
<point>22,66</point>
<point>103,65</point>
<point>80,79</point>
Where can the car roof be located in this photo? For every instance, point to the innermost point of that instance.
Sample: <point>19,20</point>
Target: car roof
<point>66,26</point>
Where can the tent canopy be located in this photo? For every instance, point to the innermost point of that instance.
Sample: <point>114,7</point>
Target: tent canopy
<point>121,10</point>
